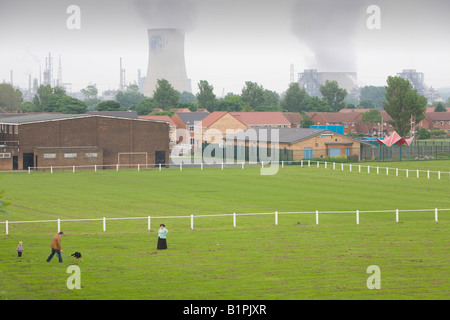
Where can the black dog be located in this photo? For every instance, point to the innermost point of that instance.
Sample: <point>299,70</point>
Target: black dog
<point>77,256</point>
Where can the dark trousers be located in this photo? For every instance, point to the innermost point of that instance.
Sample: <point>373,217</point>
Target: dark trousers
<point>19,254</point>
<point>53,253</point>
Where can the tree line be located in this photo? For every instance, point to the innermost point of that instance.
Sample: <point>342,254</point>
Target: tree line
<point>398,98</point>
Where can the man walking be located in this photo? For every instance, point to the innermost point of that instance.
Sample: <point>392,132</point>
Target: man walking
<point>56,247</point>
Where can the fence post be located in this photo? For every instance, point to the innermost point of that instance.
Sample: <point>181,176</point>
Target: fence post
<point>222,165</point>
<point>149,224</point>
<point>276,218</point>
<point>51,169</point>
<point>334,165</point>
<point>378,170</point>
<point>317,217</point>
<point>359,168</point>
<point>7,227</point>
<point>104,224</point>
<point>73,170</point>
<point>243,165</point>
<point>396,172</point>
<point>439,175</point>
<point>29,171</point>
<point>234,219</point>
<point>59,225</point>
<point>428,174</point>
<point>139,167</point>
<point>181,166</point>
<point>117,167</point>
<point>95,168</point>
<point>407,173</point>
<point>350,168</point>
<point>318,162</point>
<point>325,164</point>
<point>417,173</point>
<point>357,216</point>
<point>201,166</point>
<point>301,163</point>
<point>192,221</point>
<point>435,215</point>
<point>396,215</point>
<point>368,169</point>
<point>387,171</point>
<point>309,163</point>
<point>282,164</point>
<point>342,167</point>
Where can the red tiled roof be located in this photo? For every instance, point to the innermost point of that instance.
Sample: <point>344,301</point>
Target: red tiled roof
<point>261,118</point>
<point>212,117</point>
<point>438,116</point>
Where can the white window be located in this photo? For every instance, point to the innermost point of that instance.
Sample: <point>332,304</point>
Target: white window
<point>92,155</point>
<point>5,155</point>
<point>16,129</point>
<point>49,155</point>
<point>70,155</point>
<point>191,128</point>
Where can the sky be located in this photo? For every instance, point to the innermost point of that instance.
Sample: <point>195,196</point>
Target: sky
<point>227,42</point>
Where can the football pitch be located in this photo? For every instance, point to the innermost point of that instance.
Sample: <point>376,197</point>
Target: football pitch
<point>255,259</point>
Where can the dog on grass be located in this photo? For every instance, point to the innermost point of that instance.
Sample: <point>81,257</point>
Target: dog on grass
<point>77,256</point>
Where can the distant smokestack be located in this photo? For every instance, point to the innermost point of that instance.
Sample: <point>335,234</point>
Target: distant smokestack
<point>166,60</point>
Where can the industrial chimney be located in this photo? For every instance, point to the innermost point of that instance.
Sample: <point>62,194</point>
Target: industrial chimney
<point>166,60</point>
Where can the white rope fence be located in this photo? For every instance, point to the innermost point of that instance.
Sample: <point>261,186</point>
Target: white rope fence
<point>233,215</point>
<point>350,167</point>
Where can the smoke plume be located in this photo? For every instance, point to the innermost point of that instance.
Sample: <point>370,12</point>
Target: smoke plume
<point>328,28</point>
<point>177,14</point>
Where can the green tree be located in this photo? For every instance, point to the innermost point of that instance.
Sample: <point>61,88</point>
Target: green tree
<point>371,118</point>
<point>271,99</point>
<point>187,97</point>
<point>231,103</point>
<point>165,96</point>
<point>109,105</point>
<point>253,94</point>
<point>374,94</point>
<point>315,104</point>
<point>69,105</point>
<point>130,97</point>
<point>90,96</point>
<point>423,134</point>
<point>295,99</point>
<point>10,98</point>
<point>333,95</point>
<point>306,121</point>
<point>403,104</point>
<point>45,100</point>
<point>440,107</point>
<point>144,107</point>
<point>205,97</point>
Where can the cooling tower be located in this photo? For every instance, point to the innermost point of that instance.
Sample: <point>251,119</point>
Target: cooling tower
<point>166,60</point>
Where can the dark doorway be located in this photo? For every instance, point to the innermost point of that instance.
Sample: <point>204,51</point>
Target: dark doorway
<point>28,160</point>
<point>15,163</point>
<point>160,158</point>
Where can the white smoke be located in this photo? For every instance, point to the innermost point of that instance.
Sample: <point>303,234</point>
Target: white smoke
<point>176,14</point>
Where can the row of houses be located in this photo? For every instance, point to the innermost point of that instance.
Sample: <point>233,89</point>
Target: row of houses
<point>111,138</point>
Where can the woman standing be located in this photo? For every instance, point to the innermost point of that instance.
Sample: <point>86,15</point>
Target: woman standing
<point>162,242</point>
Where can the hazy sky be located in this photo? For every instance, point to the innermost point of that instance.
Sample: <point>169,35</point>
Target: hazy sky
<point>227,42</point>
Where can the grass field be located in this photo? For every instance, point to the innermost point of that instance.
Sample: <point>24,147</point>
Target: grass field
<point>257,259</point>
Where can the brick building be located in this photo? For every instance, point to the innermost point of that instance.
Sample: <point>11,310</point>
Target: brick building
<point>85,139</point>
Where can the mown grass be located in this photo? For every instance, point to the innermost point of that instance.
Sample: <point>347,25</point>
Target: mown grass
<point>296,259</point>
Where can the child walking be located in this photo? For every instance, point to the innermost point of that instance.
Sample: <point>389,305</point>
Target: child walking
<point>19,250</point>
